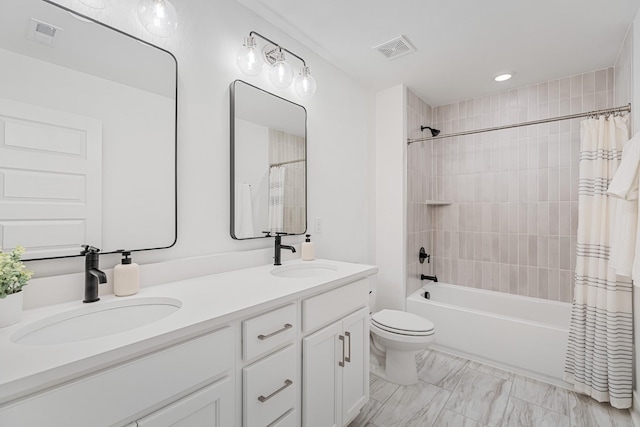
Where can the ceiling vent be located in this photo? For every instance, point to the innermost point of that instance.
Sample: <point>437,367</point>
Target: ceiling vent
<point>41,32</point>
<point>395,48</point>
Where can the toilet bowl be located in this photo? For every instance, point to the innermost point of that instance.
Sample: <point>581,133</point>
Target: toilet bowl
<point>396,337</point>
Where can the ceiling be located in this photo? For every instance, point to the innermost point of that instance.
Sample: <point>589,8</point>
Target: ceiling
<point>460,44</point>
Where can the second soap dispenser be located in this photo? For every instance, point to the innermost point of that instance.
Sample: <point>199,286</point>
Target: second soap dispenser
<point>126,277</point>
<point>308,252</point>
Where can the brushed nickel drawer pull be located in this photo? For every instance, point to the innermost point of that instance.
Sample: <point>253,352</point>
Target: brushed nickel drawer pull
<point>287,383</point>
<point>286,327</point>
<point>341,363</point>
<point>348,358</point>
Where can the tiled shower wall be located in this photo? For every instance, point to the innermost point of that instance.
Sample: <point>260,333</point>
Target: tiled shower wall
<point>511,225</point>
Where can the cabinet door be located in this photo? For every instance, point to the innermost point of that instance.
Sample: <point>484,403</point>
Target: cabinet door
<point>355,378</point>
<point>321,353</point>
<point>208,407</point>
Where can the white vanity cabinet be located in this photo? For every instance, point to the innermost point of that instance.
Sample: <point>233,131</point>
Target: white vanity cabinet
<point>200,369</point>
<point>273,352</point>
<point>335,359</point>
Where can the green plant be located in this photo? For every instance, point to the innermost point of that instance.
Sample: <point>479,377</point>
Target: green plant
<point>13,273</point>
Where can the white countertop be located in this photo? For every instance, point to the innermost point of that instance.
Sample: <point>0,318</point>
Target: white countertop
<point>207,303</point>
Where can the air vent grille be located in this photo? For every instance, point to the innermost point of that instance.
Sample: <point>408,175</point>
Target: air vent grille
<point>395,48</point>
<point>45,29</point>
<point>41,32</point>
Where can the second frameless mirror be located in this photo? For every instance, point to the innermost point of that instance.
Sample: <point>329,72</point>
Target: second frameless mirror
<point>268,164</point>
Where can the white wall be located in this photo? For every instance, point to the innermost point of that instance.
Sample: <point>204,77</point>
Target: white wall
<point>340,117</point>
<point>391,148</point>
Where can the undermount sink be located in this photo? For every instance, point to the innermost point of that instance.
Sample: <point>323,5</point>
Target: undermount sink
<point>304,270</point>
<point>96,320</point>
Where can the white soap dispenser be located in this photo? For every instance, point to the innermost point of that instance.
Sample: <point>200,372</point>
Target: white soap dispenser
<point>308,251</point>
<point>126,277</point>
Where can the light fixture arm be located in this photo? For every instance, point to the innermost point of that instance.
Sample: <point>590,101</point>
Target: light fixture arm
<point>253,33</point>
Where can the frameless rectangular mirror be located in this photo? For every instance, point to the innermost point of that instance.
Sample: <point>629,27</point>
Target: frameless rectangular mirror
<point>268,163</point>
<point>87,135</point>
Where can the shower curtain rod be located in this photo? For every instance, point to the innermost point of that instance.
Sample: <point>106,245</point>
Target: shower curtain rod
<point>622,109</point>
<point>273,165</point>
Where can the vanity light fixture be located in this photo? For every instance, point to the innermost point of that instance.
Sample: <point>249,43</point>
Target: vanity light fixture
<point>503,77</point>
<point>159,17</point>
<point>250,61</point>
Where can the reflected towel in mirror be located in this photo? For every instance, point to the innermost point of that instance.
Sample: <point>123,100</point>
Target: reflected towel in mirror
<point>243,211</point>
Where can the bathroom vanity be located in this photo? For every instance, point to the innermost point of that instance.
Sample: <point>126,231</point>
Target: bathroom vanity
<point>262,346</point>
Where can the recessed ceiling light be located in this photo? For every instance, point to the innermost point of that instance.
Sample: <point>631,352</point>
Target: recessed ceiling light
<point>503,77</point>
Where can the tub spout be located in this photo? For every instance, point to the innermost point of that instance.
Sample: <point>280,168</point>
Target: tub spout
<point>432,278</point>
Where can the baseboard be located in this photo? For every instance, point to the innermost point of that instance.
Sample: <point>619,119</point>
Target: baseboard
<point>635,410</point>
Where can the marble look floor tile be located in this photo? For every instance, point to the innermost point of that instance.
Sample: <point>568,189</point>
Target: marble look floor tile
<point>380,389</point>
<point>417,405</point>
<point>520,413</point>
<point>441,369</point>
<point>586,412</point>
<point>481,397</point>
<point>542,394</point>
<point>476,366</point>
<point>366,413</point>
<point>449,418</point>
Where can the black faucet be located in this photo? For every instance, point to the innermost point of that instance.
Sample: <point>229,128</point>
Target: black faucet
<point>278,246</point>
<point>432,278</point>
<point>92,275</point>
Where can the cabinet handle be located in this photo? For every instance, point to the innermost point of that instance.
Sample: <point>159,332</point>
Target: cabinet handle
<point>348,358</point>
<point>341,363</point>
<point>287,383</point>
<point>286,326</point>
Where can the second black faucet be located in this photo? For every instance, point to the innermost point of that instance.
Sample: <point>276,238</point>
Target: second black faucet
<point>278,246</point>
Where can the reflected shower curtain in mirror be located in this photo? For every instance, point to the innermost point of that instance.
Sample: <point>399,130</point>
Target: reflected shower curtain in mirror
<point>276,198</point>
<point>599,354</point>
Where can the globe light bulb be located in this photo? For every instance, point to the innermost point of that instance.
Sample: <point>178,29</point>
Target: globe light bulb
<point>159,17</point>
<point>249,59</point>
<point>306,85</point>
<point>281,73</point>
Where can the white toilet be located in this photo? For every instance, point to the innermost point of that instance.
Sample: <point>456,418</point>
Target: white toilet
<point>396,337</point>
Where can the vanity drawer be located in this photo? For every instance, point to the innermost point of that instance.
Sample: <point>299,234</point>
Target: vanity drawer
<point>117,393</point>
<point>268,331</point>
<point>325,308</point>
<point>269,388</point>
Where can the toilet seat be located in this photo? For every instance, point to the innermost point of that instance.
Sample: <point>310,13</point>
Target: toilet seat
<point>402,323</point>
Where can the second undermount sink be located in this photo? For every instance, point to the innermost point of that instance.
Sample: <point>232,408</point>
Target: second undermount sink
<point>96,320</point>
<point>304,270</point>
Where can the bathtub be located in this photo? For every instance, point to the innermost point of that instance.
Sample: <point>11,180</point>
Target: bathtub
<point>520,334</point>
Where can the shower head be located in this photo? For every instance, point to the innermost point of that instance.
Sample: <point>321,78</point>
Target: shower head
<point>434,132</point>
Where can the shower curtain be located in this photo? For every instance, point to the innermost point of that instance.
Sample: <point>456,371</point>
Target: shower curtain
<point>599,354</point>
<point>276,198</point>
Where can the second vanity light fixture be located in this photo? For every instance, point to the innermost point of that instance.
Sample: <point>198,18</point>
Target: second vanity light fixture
<point>251,61</point>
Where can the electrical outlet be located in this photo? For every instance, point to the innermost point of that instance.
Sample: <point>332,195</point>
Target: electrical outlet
<point>318,225</point>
